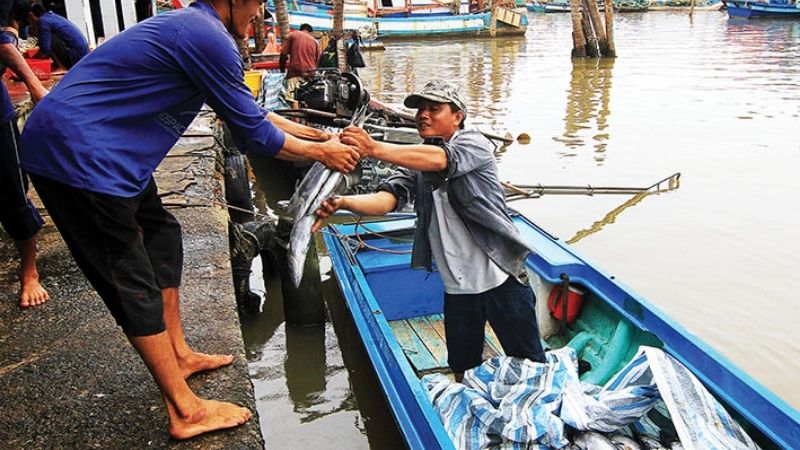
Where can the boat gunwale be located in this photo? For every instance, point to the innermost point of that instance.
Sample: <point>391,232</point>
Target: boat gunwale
<point>344,269</point>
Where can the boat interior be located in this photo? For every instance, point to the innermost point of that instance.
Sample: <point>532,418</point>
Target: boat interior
<point>604,340</point>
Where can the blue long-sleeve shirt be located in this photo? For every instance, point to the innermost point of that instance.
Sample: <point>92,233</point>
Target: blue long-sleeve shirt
<point>112,119</point>
<point>50,24</point>
<point>6,107</point>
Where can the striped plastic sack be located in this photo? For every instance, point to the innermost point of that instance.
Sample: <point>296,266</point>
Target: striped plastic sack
<point>270,96</point>
<point>519,404</point>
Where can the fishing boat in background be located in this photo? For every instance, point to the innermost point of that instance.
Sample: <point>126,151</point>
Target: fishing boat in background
<point>631,5</point>
<point>412,19</point>
<point>562,6</point>
<point>769,9</point>
<point>685,5</point>
<point>398,314</point>
<point>553,6</point>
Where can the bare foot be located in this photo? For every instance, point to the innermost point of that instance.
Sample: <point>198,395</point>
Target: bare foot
<point>33,294</point>
<point>199,362</point>
<point>210,415</point>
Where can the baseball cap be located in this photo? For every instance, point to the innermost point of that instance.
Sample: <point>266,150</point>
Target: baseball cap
<point>437,91</point>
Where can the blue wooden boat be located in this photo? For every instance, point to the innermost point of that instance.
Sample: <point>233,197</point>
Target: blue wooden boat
<point>554,6</point>
<point>769,9</point>
<point>397,312</point>
<point>424,21</point>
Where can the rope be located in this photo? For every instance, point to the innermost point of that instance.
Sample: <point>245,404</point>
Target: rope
<point>363,244</point>
<point>211,201</point>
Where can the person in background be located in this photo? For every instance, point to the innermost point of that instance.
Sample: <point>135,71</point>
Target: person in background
<point>462,223</point>
<point>302,52</point>
<point>272,47</point>
<point>18,217</point>
<point>91,146</point>
<point>58,37</point>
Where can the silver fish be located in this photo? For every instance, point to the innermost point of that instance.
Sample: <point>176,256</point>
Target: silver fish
<point>317,186</point>
<point>592,440</point>
<point>624,442</point>
<point>308,189</point>
<point>301,230</point>
<point>649,442</point>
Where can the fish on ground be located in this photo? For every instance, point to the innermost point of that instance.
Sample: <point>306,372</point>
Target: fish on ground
<point>650,442</point>
<point>624,442</point>
<point>592,440</point>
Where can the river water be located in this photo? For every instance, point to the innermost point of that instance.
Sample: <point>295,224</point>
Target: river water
<point>715,99</point>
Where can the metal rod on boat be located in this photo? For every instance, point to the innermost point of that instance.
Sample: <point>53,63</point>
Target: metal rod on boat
<point>521,191</point>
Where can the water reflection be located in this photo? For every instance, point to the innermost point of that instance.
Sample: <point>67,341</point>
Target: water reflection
<point>483,68</point>
<point>608,219</point>
<point>588,101</point>
<point>305,395</point>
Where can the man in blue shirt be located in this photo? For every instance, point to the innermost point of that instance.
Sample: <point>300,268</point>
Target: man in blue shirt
<point>91,146</point>
<point>19,218</point>
<point>58,37</point>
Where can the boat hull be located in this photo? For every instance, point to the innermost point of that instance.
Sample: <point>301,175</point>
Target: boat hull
<point>549,7</point>
<point>370,281</point>
<point>413,26</point>
<point>554,7</point>
<point>747,9</point>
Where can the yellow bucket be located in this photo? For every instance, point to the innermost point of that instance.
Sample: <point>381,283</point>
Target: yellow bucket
<point>252,78</point>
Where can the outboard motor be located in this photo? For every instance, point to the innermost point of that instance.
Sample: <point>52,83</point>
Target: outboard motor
<point>335,92</point>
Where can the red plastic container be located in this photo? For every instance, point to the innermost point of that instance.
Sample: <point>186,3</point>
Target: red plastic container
<point>574,303</point>
<point>42,68</point>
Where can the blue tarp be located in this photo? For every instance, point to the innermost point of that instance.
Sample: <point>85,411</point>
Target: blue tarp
<point>519,404</point>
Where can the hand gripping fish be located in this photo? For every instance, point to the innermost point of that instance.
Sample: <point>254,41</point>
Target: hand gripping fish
<point>317,186</point>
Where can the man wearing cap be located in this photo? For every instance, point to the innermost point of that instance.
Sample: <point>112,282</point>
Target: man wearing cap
<point>462,223</point>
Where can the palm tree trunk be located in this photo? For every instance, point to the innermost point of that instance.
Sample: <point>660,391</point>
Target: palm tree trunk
<point>338,33</point>
<point>258,24</point>
<point>283,19</point>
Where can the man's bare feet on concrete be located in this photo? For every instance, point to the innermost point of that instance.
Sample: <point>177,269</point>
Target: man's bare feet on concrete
<point>210,415</point>
<point>32,293</point>
<point>200,362</point>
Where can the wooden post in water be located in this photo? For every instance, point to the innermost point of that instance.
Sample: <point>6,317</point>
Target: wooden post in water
<point>691,10</point>
<point>578,40</point>
<point>611,51</point>
<point>589,36</point>
<point>493,20</point>
<point>588,32</point>
<point>597,24</point>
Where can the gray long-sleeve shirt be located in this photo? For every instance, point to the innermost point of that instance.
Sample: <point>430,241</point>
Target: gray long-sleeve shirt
<point>474,190</point>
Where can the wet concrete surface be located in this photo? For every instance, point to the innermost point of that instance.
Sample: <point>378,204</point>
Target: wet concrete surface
<point>68,376</point>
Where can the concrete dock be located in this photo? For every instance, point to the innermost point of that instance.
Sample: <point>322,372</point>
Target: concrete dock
<point>68,376</point>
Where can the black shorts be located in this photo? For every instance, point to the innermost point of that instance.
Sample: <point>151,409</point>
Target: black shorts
<point>128,248</point>
<point>510,310</point>
<point>18,216</point>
